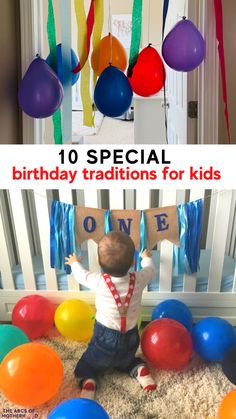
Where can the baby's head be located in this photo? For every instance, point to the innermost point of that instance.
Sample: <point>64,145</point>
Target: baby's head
<point>116,253</point>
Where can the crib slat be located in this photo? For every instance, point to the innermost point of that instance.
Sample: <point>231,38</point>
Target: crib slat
<point>234,283</point>
<point>40,196</point>
<point>210,227</point>
<point>22,238</point>
<point>190,280</point>
<point>143,199</point>
<point>166,249</point>
<point>65,195</point>
<point>5,264</point>
<point>129,199</point>
<point>116,199</point>
<point>219,240</point>
<point>91,200</point>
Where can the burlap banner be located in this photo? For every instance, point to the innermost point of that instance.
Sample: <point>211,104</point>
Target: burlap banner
<point>161,223</point>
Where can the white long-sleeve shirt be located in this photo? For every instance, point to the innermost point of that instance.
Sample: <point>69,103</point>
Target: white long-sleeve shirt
<point>107,312</point>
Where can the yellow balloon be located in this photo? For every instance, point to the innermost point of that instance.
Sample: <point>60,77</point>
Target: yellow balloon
<point>74,319</point>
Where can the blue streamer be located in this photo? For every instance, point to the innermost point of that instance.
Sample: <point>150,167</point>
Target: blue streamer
<point>165,13</point>
<point>107,222</point>
<point>186,257</point>
<point>143,242</point>
<point>62,235</point>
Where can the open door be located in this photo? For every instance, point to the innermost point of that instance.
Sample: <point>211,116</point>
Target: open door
<point>181,87</point>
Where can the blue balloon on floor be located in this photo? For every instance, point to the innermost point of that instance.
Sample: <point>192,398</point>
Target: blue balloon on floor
<point>78,409</point>
<point>213,337</point>
<point>175,310</point>
<point>71,66</point>
<point>113,93</point>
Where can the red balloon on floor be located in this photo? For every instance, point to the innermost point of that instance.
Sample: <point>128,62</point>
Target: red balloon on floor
<point>148,74</point>
<point>34,315</point>
<point>166,344</point>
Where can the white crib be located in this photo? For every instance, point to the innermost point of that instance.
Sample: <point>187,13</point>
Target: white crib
<point>25,249</point>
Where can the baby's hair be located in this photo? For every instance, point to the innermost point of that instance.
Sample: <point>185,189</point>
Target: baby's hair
<point>116,253</point>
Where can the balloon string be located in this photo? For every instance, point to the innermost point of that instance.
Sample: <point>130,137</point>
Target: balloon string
<point>149,19</point>
<point>185,8</point>
<point>110,32</point>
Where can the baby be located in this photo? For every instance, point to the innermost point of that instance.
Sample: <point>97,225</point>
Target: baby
<point>115,337</point>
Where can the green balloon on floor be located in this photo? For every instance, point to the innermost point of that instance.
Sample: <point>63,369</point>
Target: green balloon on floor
<point>10,338</point>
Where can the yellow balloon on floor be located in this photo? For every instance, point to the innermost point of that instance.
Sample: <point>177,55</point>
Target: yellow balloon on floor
<point>74,319</point>
<point>227,408</point>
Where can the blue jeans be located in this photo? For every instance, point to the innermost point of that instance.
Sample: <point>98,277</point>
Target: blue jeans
<point>109,348</point>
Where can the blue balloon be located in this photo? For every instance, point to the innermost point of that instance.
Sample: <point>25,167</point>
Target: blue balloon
<point>113,93</point>
<point>78,409</point>
<point>74,63</point>
<point>175,310</point>
<point>213,338</point>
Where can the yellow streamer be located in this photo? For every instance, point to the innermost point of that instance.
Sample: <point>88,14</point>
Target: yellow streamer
<point>83,55</point>
<point>97,33</point>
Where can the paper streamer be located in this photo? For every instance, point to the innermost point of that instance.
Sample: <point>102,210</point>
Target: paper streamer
<point>97,33</point>
<point>143,239</point>
<point>83,32</point>
<point>136,34</point>
<point>51,30</point>
<point>186,257</point>
<point>107,222</point>
<point>66,68</point>
<point>220,39</point>
<point>165,13</point>
<point>85,29</point>
<point>62,236</point>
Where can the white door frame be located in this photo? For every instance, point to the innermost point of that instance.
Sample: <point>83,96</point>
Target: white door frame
<point>31,15</point>
<point>208,81</point>
<point>208,74</point>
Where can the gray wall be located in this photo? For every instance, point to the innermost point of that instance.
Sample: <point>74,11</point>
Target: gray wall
<point>10,119</point>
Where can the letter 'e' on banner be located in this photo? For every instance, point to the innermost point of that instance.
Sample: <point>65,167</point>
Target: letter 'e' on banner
<point>162,223</point>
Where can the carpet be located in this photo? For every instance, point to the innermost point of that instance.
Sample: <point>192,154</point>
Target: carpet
<point>194,393</point>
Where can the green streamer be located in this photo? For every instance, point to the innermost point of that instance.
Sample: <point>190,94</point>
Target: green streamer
<point>52,42</point>
<point>136,34</point>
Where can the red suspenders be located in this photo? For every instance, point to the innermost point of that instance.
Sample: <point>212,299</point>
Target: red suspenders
<point>122,307</point>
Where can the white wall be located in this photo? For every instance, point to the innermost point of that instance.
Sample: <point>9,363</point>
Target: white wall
<point>229,9</point>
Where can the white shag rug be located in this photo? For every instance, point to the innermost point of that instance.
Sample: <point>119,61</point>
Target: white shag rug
<point>194,393</point>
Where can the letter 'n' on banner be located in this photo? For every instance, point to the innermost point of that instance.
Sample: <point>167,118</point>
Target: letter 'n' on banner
<point>127,221</point>
<point>162,223</point>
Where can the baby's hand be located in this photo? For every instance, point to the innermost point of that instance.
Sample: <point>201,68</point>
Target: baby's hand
<point>146,254</point>
<point>71,259</point>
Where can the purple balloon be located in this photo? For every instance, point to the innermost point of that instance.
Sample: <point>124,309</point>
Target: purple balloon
<point>41,92</point>
<point>184,47</point>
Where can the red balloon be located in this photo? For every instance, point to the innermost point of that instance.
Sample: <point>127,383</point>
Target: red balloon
<point>148,74</point>
<point>34,315</point>
<point>166,344</point>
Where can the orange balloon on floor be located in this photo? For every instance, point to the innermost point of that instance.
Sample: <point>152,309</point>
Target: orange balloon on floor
<point>228,407</point>
<point>31,374</point>
<point>110,53</point>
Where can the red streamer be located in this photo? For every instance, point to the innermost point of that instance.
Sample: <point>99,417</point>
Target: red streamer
<point>220,39</point>
<point>90,25</point>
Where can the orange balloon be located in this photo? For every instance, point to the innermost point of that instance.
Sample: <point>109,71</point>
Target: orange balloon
<point>228,407</point>
<point>31,374</point>
<point>102,58</point>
